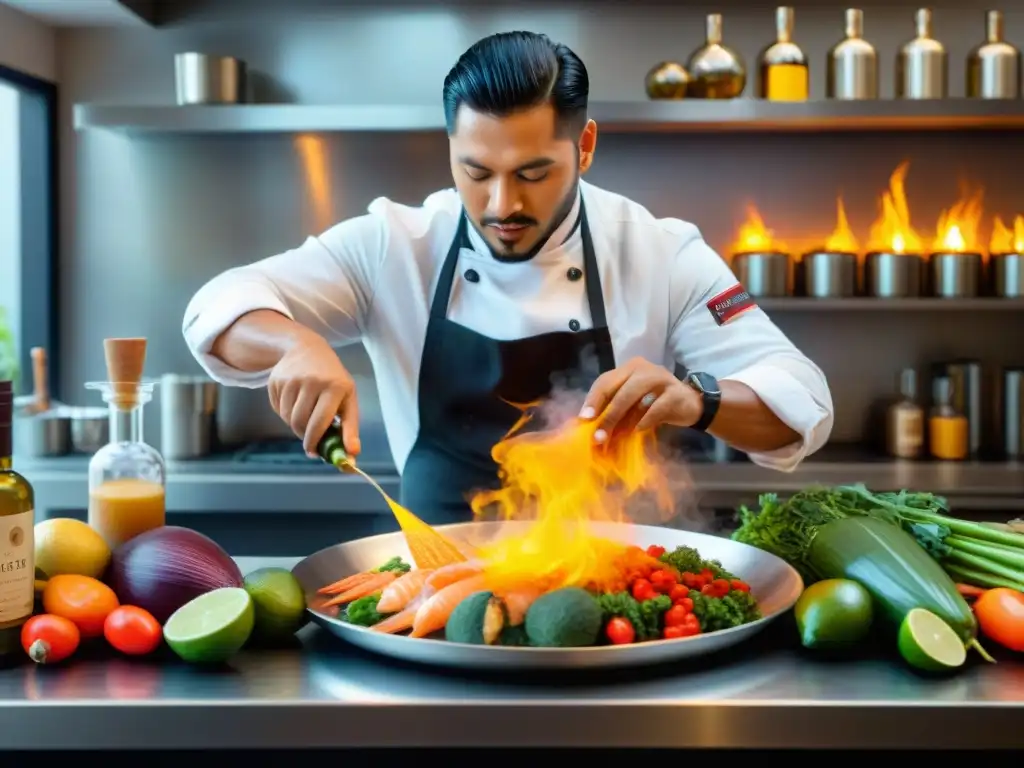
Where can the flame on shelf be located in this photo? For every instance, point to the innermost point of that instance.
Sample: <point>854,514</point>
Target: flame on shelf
<point>1007,239</point>
<point>842,239</point>
<point>958,227</point>
<point>892,231</point>
<point>754,237</point>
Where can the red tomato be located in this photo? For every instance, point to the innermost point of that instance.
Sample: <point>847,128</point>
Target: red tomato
<point>691,580</point>
<point>655,551</point>
<point>685,602</point>
<point>663,581</point>
<point>675,615</point>
<point>1000,615</point>
<point>690,626</point>
<point>642,590</point>
<point>670,633</point>
<point>739,586</point>
<point>132,630</point>
<point>620,631</point>
<point>49,639</point>
<point>722,586</point>
<point>680,592</point>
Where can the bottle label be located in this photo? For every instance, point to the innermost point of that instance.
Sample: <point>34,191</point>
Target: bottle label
<point>787,82</point>
<point>17,566</point>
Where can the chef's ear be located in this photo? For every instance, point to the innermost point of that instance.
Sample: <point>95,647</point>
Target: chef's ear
<point>588,143</point>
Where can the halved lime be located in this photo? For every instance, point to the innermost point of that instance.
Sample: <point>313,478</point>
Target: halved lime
<point>212,627</point>
<point>929,643</point>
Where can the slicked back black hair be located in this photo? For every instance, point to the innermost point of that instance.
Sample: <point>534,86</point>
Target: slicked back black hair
<point>512,71</point>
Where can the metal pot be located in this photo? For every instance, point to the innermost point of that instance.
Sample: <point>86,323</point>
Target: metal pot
<point>955,275</point>
<point>827,275</point>
<point>188,416</point>
<point>204,79</point>
<point>1007,270</point>
<point>893,275</point>
<point>43,434</point>
<point>90,429</point>
<point>764,275</point>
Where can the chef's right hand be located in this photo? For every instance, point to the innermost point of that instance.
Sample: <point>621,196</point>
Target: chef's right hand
<point>308,387</point>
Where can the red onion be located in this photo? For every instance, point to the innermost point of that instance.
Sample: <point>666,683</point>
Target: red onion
<point>164,568</point>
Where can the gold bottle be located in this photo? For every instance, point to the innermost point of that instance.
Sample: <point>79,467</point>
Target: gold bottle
<point>853,63</point>
<point>667,80</point>
<point>994,67</point>
<point>922,66</point>
<point>716,72</point>
<point>784,74</point>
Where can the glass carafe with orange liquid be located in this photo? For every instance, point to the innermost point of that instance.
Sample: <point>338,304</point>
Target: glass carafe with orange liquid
<point>127,476</point>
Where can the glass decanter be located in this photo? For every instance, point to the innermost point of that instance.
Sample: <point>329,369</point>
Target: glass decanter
<point>127,477</point>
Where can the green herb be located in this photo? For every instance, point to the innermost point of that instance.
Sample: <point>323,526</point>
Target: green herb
<point>971,553</point>
<point>396,564</point>
<point>363,611</point>
<point>732,610</point>
<point>688,560</point>
<point>644,616</point>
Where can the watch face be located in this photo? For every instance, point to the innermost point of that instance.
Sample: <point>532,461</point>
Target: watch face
<point>705,383</point>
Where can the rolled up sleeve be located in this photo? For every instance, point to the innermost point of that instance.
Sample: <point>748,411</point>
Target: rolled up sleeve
<point>327,284</point>
<point>749,348</point>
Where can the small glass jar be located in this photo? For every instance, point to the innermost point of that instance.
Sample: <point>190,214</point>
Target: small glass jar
<point>127,477</point>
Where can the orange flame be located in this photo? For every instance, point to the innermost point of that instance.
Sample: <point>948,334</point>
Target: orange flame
<point>1005,239</point>
<point>755,237</point>
<point>957,230</point>
<point>842,240</point>
<point>892,232</point>
<point>564,481</point>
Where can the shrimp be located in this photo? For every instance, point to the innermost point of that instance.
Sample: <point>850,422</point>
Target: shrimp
<point>368,587</point>
<point>434,613</point>
<point>399,593</point>
<point>517,602</point>
<point>449,574</point>
<point>349,582</point>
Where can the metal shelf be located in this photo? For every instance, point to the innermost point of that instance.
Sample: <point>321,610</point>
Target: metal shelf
<point>801,304</point>
<point>740,115</point>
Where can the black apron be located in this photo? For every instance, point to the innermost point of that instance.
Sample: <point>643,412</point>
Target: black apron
<point>467,382</point>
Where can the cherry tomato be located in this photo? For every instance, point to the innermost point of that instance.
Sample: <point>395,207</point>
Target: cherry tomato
<point>132,630</point>
<point>691,580</point>
<point>680,592</point>
<point>722,586</point>
<point>642,590</point>
<point>655,551</point>
<point>663,581</point>
<point>686,603</point>
<point>739,586</point>
<point>1000,615</point>
<point>690,625</point>
<point>620,631</point>
<point>670,633</point>
<point>49,639</point>
<point>84,600</point>
<point>675,615</point>
<point>707,573</point>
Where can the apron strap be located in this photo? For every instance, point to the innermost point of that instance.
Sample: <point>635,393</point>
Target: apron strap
<point>443,292</point>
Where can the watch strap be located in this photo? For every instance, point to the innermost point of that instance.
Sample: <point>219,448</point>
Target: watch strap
<point>711,397</point>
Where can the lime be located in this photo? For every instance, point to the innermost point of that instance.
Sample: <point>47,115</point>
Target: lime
<point>278,601</point>
<point>928,643</point>
<point>833,614</point>
<point>212,627</point>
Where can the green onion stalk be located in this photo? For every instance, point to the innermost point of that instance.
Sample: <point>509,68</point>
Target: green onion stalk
<point>971,553</point>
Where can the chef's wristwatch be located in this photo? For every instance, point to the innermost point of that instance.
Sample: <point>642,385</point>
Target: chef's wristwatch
<point>710,394</point>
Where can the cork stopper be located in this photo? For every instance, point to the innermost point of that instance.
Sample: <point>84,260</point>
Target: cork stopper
<point>125,361</point>
<point>40,387</point>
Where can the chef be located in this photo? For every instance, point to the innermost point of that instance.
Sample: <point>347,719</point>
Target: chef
<point>484,297</point>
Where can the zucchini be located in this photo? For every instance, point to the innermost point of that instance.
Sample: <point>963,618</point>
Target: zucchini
<point>894,568</point>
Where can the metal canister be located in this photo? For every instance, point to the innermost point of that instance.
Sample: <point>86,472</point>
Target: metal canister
<point>853,63</point>
<point>764,275</point>
<point>893,275</point>
<point>1007,275</point>
<point>204,79</point>
<point>994,67</point>
<point>827,275</point>
<point>955,275</point>
<point>922,66</point>
<point>1012,412</point>
<point>188,416</point>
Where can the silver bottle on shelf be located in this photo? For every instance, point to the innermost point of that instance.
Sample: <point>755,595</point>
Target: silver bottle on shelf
<point>922,65</point>
<point>994,67</point>
<point>853,63</point>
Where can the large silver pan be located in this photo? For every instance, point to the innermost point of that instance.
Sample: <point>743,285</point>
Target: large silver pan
<point>774,583</point>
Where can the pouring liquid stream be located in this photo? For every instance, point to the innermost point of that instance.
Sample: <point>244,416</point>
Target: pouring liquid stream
<point>428,548</point>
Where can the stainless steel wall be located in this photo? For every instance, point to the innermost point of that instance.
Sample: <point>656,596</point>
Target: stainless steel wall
<point>147,221</point>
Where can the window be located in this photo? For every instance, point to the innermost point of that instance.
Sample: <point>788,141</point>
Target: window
<point>28,242</point>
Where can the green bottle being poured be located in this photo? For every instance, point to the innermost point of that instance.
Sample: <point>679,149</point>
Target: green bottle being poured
<point>331,449</point>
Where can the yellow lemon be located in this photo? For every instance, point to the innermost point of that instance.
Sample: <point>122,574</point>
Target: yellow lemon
<point>68,546</point>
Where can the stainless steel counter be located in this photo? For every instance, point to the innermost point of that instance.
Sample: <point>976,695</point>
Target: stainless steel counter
<point>325,694</point>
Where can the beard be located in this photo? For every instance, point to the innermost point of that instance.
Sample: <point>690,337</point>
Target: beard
<point>509,253</point>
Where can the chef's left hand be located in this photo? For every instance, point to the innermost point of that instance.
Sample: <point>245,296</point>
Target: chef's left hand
<point>640,395</point>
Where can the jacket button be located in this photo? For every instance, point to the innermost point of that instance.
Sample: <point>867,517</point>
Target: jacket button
<point>574,325</point>
<point>472,276</point>
<point>574,273</point>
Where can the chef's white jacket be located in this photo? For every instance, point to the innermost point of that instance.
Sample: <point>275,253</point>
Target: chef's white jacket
<point>371,279</point>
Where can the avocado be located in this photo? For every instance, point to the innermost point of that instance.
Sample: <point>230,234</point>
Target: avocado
<point>565,618</point>
<point>479,619</point>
